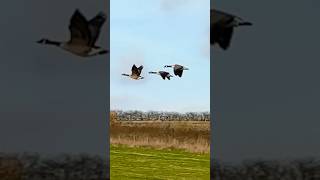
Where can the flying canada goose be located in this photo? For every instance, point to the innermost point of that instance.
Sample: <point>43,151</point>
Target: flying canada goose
<point>163,74</point>
<point>83,35</point>
<point>221,27</point>
<point>177,69</point>
<point>135,72</point>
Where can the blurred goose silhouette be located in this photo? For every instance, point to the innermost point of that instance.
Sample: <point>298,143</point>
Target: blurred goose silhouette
<point>83,36</point>
<point>221,27</point>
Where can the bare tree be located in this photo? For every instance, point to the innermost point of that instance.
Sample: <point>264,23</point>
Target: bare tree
<point>161,116</point>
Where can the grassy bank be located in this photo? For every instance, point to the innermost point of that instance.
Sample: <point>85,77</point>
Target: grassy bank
<point>147,163</point>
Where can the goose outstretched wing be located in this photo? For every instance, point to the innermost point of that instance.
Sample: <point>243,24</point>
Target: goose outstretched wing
<point>221,35</point>
<point>79,30</point>
<point>95,25</point>
<point>135,70</point>
<point>178,70</point>
<point>140,70</point>
<point>163,74</point>
<point>217,16</point>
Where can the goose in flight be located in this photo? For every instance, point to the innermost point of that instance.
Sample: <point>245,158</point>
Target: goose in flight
<point>83,35</point>
<point>135,72</point>
<point>177,69</point>
<point>221,27</point>
<point>163,74</point>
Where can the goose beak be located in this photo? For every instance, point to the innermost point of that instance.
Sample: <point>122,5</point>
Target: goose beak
<point>40,41</point>
<point>186,69</point>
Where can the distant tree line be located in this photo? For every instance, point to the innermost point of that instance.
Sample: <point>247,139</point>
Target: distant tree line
<point>304,169</point>
<point>161,116</point>
<point>29,166</point>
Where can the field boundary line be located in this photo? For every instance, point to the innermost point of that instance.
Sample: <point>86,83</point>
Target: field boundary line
<point>141,154</point>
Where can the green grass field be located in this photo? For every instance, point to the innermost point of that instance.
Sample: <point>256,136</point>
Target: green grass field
<point>146,163</point>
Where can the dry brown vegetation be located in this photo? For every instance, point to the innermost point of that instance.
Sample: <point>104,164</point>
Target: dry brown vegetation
<point>10,168</point>
<point>192,136</point>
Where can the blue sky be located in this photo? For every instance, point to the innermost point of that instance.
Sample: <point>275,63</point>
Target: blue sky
<point>153,34</point>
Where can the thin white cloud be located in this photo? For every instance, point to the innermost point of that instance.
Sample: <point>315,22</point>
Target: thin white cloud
<point>169,5</point>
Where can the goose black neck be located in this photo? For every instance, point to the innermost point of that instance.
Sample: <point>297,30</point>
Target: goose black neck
<point>245,24</point>
<point>49,42</point>
<point>55,43</point>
